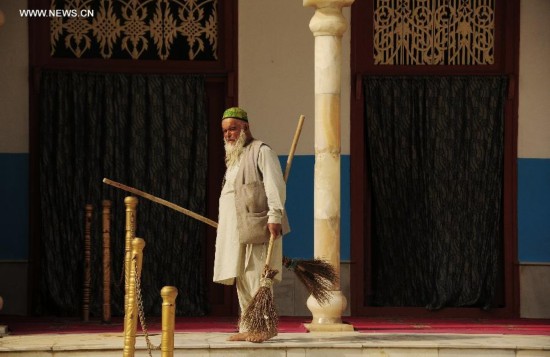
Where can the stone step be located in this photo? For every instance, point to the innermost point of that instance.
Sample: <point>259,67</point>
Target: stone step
<point>285,344</point>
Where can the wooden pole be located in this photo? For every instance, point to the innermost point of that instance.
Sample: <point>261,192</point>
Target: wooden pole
<point>106,261</point>
<point>161,201</point>
<point>87,254</point>
<point>191,213</point>
<point>131,315</point>
<point>169,294</point>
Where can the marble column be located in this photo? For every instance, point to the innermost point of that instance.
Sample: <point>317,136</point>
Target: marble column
<point>328,25</point>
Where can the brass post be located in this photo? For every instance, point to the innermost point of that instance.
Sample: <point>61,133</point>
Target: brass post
<point>106,261</point>
<point>168,294</point>
<point>130,233</point>
<point>130,318</point>
<point>87,274</point>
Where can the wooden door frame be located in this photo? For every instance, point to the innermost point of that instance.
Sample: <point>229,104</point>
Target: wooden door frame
<point>362,63</point>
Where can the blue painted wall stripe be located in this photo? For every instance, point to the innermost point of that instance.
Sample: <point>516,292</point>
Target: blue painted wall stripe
<point>534,210</point>
<point>14,206</point>
<point>299,204</point>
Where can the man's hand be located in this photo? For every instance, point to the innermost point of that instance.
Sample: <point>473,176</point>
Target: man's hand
<point>275,229</point>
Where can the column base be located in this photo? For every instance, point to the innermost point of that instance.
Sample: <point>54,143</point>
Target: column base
<point>328,316</point>
<point>334,327</point>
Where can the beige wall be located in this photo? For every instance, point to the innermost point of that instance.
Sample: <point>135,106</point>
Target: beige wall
<point>534,80</point>
<point>534,290</point>
<point>276,72</point>
<point>14,99</point>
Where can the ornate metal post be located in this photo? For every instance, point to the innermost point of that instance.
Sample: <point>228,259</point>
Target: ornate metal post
<point>130,233</point>
<point>131,315</point>
<point>106,261</point>
<point>328,25</point>
<point>87,255</point>
<point>168,294</point>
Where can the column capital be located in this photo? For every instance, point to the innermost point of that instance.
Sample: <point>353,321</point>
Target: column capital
<point>328,19</point>
<point>328,3</point>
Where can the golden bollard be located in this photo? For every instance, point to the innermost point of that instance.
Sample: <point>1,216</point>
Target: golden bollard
<point>169,294</point>
<point>130,233</point>
<point>106,261</point>
<point>131,315</point>
<point>87,274</point>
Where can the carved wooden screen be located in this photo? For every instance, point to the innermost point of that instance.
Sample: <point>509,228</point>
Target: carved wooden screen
<point>434,32</point>
<point>135,29</point>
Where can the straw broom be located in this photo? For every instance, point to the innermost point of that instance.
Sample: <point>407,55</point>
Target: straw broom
<point>260,317</point>
<point>317,275</point>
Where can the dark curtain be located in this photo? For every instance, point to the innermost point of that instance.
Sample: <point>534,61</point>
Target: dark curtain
<point>435,158</point>
<point>148,132</point>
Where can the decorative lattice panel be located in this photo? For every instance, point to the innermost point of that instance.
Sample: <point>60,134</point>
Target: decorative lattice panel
<point>434,32</point>
<point>135,29</point>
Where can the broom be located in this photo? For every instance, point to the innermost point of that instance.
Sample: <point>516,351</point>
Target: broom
<point>317,275</point>
<point>260,317</point>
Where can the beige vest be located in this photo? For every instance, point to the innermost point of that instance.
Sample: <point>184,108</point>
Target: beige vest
<point>251,200</point>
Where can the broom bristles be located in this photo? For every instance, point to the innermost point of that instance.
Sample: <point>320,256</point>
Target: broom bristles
<point>260,316</point>
<point>317,275</point>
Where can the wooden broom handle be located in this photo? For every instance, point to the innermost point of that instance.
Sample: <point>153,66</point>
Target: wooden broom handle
<point>293,146</point>
<point>269,249</point>
<point>287,172</point>
<point>161,201</point>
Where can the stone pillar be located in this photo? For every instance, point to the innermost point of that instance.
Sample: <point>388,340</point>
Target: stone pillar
<point>328,25</point>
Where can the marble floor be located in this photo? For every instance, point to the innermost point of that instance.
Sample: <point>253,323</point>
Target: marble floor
<point>285,344</point>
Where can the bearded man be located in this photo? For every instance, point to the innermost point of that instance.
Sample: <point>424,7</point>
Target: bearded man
<point>246,157</point>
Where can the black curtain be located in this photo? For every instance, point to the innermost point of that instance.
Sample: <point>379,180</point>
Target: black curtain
<point>435,159</point>
<point>147,131</point>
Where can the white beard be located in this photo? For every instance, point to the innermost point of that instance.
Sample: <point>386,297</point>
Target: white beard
<point>233,151</point>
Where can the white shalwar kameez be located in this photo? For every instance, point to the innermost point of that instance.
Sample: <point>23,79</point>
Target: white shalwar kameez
<point>246,262</point>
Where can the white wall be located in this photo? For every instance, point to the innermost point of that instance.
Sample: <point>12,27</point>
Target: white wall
<point>14,91</point>
<point>534,80</point>
<point>276,72</point>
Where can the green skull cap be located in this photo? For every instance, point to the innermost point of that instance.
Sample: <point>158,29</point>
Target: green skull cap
<point>236,113</point>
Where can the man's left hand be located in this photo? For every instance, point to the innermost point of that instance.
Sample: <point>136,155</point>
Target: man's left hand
<point>275,229</point>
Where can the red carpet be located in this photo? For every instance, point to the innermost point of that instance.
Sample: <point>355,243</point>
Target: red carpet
<point>467,326</point>
<point>19,325</point>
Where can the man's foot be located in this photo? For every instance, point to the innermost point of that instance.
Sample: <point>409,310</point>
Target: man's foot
<point>241,336</point>
<point>259,337</point>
